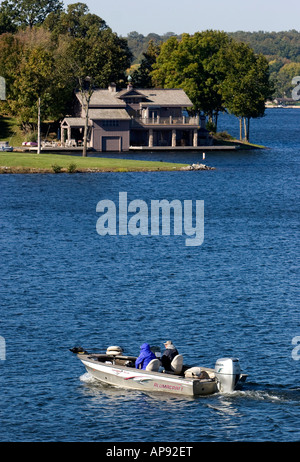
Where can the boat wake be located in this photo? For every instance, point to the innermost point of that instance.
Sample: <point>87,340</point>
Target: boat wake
<point>88,378</point>
<point>268,393</point>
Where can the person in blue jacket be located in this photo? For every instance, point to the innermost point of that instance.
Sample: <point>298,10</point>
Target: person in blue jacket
<point>146,355</point>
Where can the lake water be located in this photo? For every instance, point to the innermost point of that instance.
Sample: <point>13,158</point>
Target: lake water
<point>237,294</point>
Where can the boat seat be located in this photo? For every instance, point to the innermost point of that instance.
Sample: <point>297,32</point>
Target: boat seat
<point>196,372</point>
<point>193,372</point>
<point>177,364</point>
<point>154,365</point>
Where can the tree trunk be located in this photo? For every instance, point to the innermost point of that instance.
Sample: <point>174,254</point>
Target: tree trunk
<point>39,126</point>
<point>86,126</point>
<point>241,128</point>
<point>216,120</point>
<point>245,129</point>
<point>86,95</point>
<point>248,129</point>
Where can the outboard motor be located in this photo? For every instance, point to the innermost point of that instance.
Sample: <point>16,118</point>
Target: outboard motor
<point>227,371</point>
<point>78,350</point>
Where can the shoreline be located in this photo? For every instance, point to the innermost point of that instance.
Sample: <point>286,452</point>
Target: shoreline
<point>283,107</point>
<point>30,170</point>
<point>20,162</point>
<point>28,163</point>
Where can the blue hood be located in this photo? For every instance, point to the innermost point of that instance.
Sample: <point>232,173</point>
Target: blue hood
<point>145,356</point>
<point>146,347</point>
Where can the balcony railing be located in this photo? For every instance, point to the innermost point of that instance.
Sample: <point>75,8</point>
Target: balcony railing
<point>166,120</point>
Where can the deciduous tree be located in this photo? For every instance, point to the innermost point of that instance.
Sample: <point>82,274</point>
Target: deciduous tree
<point>51,61</point>
<point>246,85</point>
<point>192,63</point>
<point>23,13</point>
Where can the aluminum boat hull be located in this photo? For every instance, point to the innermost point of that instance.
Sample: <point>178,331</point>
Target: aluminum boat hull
<point>136,379</point>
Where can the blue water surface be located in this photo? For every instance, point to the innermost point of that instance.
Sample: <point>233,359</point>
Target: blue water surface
<point>237,294</point>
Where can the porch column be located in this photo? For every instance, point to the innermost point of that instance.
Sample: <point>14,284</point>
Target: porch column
<point>150,138</point>
<point>173,138</point>
<point>62,134</point>
<point>195,139</point>
<point>69,133</point>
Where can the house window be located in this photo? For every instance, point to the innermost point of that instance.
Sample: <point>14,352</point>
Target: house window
<point>110,123</point>
<point>133,100</point>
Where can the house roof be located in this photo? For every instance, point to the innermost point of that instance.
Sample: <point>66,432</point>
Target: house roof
<point>74,121</point>
<point>166,97</point>
<point>104,114</point>
<point>103,98</point>
<point>132,93</point>
<point>153,97</point>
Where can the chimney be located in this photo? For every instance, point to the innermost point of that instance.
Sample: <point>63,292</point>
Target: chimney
<point>112,88</point>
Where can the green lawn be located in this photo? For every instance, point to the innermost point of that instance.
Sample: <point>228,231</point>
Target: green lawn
<point>14,162</point>
<point>244,145</point>
<point>10,131</point>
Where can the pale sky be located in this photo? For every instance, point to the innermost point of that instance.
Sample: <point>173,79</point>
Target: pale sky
<point>178,16</point>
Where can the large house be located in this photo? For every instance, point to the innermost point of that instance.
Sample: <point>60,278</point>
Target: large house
<point>136,119</point>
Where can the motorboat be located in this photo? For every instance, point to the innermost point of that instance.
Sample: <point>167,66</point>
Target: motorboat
<point>30,143</point>
<point>4,146</point>
<point>117,369</point>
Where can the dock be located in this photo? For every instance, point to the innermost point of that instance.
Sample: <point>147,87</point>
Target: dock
<point>183,148</point>
<point>69,149</point>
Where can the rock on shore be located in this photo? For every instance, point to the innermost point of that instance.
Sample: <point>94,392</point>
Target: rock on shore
<point>198,167</point>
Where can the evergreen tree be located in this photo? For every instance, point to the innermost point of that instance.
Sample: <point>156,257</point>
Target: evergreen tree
<point>142,78</point>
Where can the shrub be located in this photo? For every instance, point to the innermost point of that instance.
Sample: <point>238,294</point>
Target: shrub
<point>56,168</point>
<point>72,168</point>
<point>224,136</point>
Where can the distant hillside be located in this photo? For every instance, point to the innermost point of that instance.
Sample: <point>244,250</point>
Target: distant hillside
<point>282,49</point>
<point>272,44</point>
<point>284,45</point>
<point>138,43</point>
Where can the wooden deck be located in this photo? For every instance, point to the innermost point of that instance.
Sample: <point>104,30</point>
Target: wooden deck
<point>61,149</point>
<point>183,148</point>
